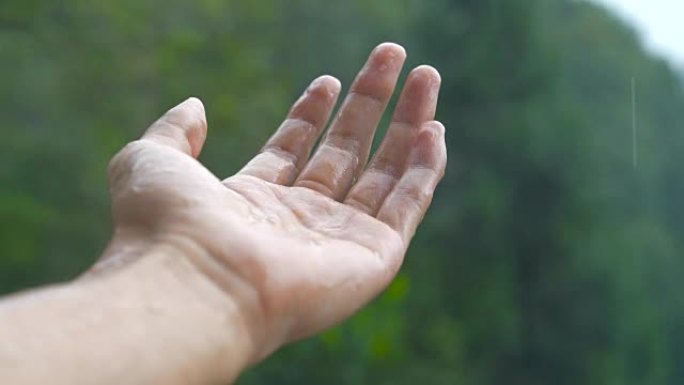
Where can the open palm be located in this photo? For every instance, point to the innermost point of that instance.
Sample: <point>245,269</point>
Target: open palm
<point>301,242</point>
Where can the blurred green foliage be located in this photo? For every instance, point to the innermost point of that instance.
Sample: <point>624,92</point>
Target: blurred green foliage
<point>547,257</point>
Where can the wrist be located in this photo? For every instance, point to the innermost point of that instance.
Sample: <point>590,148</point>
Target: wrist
<point>206,329</point>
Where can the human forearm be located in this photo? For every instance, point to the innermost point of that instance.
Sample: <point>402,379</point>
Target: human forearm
<point>154,320</point>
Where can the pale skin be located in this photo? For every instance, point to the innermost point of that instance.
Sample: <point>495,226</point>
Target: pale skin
<point>205,277</point>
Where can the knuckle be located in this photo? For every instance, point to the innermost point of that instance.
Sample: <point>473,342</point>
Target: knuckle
<point>121,162</point>
<point>418,194</point>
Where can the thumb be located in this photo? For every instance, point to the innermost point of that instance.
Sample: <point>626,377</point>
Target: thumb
<point>184,127</point>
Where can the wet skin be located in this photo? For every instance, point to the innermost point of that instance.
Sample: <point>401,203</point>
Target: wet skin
<point>205,276</point>
<point>301,242</point>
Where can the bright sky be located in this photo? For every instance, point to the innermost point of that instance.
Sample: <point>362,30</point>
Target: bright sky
<point>661,23</point>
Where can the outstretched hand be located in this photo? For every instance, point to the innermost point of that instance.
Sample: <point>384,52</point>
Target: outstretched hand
<point>297,242</point>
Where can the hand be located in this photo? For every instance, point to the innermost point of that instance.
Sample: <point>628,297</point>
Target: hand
<point>298,243</point>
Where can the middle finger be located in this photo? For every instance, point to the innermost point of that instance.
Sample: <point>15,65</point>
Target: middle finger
<point>344,151</point>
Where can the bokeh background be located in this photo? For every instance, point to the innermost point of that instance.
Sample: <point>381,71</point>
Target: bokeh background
<point>547,258</point>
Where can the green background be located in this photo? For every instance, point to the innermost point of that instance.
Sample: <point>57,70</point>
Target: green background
<point>547,258</point>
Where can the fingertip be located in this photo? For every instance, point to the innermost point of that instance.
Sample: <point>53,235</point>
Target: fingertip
<point>429,150</point>
<point>196,133</point>
<point>328,85</point>
<point>189,110</point>
<point>183,127</point>
<point>435,127</point>
<point>434,153</point>
<point>193,108</point>
<point>427,136</point>
<point>387,58</point>
<point>379,75</point>
<point>194,102</point>
<point>390,49</point>
<point>427,71</point>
